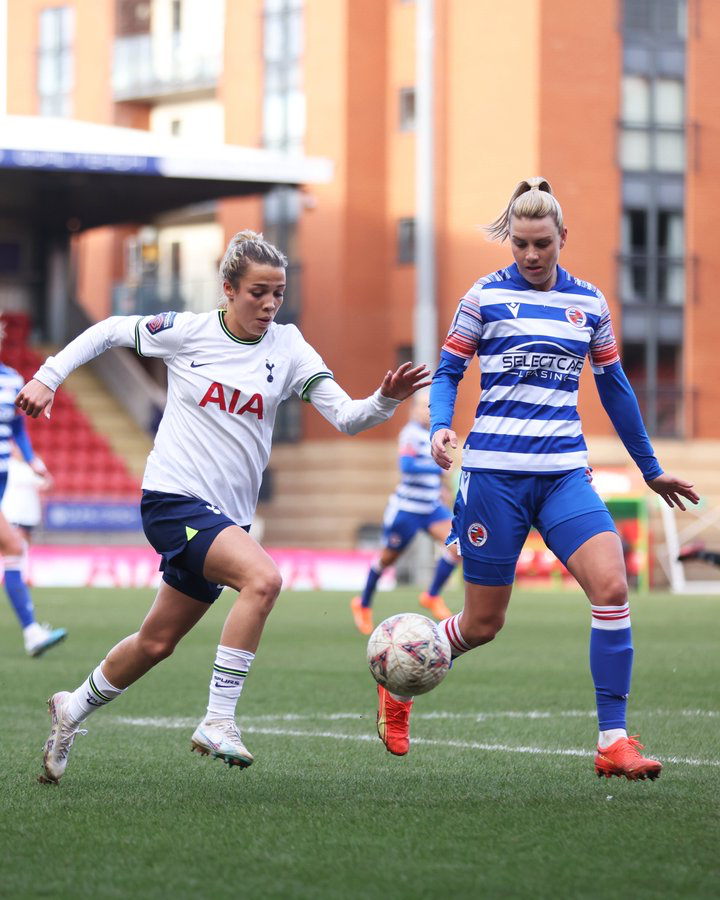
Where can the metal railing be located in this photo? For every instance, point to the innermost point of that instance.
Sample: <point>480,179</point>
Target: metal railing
<point>146,65</point>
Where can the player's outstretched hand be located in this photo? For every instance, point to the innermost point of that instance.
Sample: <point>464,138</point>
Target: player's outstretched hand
<point>403,382</point>
<point>441,438</point>
<point>671,489</point>
<point>35,398</point>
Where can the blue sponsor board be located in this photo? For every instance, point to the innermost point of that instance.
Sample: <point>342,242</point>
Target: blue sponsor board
<point>78,516</point>
<point>57,160</point>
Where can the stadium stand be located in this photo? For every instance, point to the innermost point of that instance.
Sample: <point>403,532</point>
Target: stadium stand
<point>81,460</point>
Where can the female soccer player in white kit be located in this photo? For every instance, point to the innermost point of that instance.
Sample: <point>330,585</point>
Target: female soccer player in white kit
<point>228,371</point>
<point>525,459</point>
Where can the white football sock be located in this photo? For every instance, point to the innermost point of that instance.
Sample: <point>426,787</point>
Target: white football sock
<point>605,738</point>
<point>226,684</point>
<point>94,692</point>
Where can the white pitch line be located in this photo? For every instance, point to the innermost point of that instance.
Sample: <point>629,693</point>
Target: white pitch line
<point>531,714</point>
<point>428,742</point>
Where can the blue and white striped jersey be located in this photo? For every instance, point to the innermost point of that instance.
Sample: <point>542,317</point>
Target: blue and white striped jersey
<point>531,346</point>
<point>419,489</point>
<point>12,424</point>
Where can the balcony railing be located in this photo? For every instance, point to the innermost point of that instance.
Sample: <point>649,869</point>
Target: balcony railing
<point>147,66</point>
<point>654,280</point>
<point>152,296</point>
<point>664,408</point>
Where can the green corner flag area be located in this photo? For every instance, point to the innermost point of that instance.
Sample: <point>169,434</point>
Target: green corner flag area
<point>497,797</point>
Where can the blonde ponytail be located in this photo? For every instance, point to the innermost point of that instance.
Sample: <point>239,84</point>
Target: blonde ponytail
<point>531,199</point>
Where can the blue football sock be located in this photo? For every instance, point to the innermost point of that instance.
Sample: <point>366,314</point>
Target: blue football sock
<point>19,596</point>
<point>443,571</point>
<point>611,658</point>
<point>372,580</point>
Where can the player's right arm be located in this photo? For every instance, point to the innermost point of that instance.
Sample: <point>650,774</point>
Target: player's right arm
<point>117,331</point>
<point>459,348</point>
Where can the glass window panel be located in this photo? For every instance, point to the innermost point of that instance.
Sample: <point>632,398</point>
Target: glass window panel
<point>293,73</point>
<point>407,109</point>
<point>65,72</point>
<point>671,283</point>
<point>635,99</point>
<point>670,152</point>
<point>634,150</point>
<point>669,102</point>
<point>635,232</point>
<point>274,117</point>
<point>406,240</point>
<point>48,29</point>
<point>671,18</point>
<point>274,39</point>
<point>47,75</point>
<point>296,115</point>
<point>296,36</point>
<point>66,26</point>
<point>670,233</point>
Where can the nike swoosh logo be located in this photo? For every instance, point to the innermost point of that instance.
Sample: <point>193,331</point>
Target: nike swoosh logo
<point>194,365</point>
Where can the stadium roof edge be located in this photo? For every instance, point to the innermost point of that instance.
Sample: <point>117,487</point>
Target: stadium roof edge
<point>72,145</point>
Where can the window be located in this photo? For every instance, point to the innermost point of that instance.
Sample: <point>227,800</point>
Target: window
<point>406,109</point>
<point>406,240</point>
<point>175,127</point>
<point>176,16</point>
<point>652,259</point>
<point>656,379</point>
<point>652,136</point>
<point>656,18</point>
<point>55,77</point>
<point>284,95</point>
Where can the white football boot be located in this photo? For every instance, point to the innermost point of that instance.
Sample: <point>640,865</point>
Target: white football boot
<point>221,739</point>
<point>62,736</point>
<point>39,638</point>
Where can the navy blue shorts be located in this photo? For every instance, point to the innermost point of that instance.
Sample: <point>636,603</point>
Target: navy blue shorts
<point>495,511</point>
<point>182,529</point>
<point>400,527</point>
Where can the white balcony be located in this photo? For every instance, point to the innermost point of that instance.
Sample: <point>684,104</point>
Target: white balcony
<point>153,67</point>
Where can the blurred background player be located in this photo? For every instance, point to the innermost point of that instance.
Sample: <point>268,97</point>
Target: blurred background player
<point>13,542</point>
<point>524,462</point>
<point>228,371</point>
<point>416,504</point>
<point>697,550</point>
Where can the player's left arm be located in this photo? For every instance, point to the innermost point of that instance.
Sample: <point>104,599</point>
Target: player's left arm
<point>621,405</point>
<point>314,382</point>
<point>352,416</point>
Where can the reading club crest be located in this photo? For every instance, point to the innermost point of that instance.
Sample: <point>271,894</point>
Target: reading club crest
<point>477,534</point>
<point>575,316</point>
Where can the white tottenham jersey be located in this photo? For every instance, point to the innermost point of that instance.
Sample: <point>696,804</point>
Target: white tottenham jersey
<point>215,435</point>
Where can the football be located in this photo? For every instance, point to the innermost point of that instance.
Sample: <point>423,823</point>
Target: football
<point>408,654</point>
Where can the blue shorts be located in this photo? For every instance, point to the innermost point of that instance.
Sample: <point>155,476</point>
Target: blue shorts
<point>3,483</point>
<point>400,527</point>
<point>494,512</point>
<point>182,529</point>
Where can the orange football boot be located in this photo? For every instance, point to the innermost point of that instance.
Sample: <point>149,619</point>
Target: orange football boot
<point>362,616</point>
<point>624,758</point>
<point>436,605</point>
<point>393,722</point>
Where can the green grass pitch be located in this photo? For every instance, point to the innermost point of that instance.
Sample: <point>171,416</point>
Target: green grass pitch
<point>497,798</point>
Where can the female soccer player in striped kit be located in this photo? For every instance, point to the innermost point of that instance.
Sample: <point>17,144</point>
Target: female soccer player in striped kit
<point>525,460</point>
<point>228,371</point>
